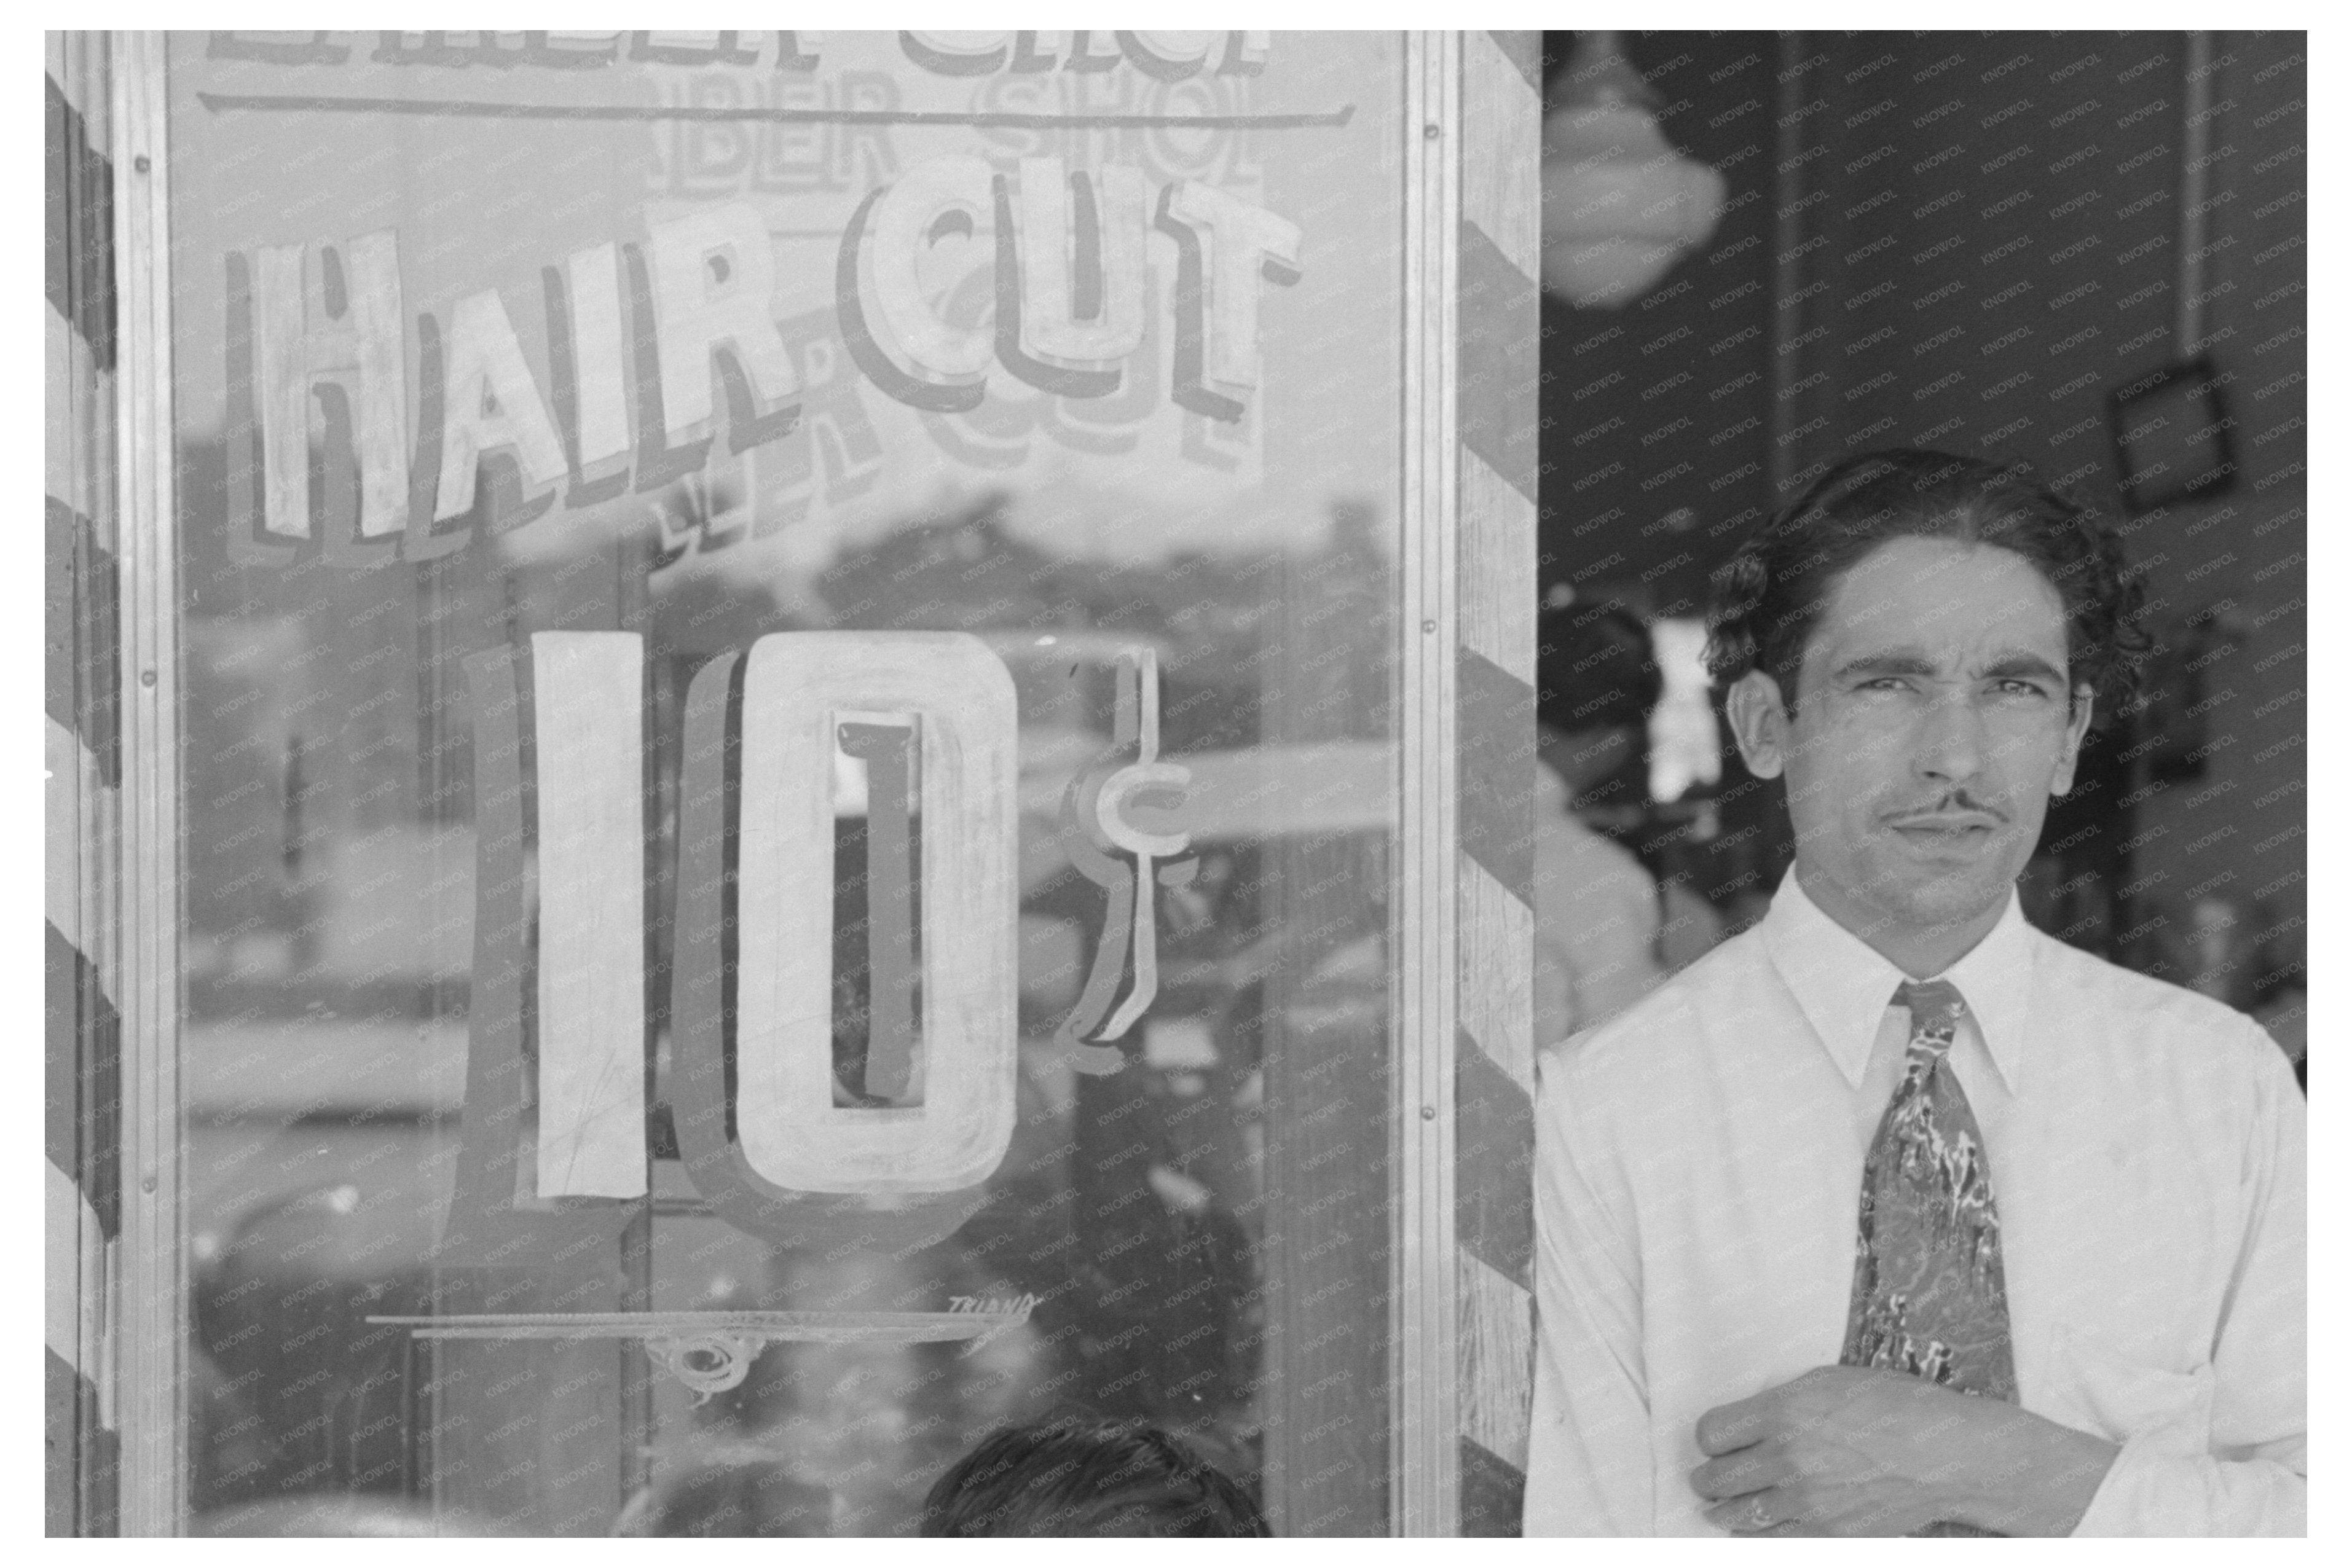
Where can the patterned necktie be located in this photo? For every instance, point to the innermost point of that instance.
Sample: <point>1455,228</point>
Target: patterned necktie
<point>1928,1298</point>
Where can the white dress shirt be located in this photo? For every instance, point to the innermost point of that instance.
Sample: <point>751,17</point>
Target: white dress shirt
<point>1698,1167</point>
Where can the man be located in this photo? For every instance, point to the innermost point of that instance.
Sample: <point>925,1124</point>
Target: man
<point>1596,909</point>
<point>1891,1215</point>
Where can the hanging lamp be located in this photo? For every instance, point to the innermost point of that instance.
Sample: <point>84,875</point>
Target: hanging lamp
<point>1621,205</point>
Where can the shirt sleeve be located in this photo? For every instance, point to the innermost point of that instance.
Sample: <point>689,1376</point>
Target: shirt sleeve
<point>1589,1465</point>
<point>2251,1481</point>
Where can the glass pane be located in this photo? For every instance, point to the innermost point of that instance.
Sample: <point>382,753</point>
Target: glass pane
<point>789,766</point>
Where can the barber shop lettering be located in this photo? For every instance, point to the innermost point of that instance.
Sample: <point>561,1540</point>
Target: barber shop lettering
<point>318,360</point>
<point>555,1127</point>
<point>557,1139</point>
<point>1162,56</point>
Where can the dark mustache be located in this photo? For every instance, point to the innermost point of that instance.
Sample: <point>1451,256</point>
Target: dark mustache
<point>1957,804</point>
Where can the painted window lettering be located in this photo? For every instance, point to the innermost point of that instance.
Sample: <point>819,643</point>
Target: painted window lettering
<point>317,348</point>
<point>555,1119</point>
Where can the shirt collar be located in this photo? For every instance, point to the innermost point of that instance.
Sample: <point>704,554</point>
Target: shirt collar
<point>1843,984</point>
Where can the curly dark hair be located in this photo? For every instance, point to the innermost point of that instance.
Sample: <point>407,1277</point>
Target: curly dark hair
<point>1088,1475</point>
<point>1770,595</point>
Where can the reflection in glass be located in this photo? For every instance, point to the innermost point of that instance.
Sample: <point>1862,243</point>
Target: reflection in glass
<point>445,1085</point>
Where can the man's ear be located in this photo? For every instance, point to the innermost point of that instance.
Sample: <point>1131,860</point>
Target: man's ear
<point>1758,723</point>
<point>2078,723</point>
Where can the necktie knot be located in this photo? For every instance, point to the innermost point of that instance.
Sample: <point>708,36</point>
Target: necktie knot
<point>1931,1003</point>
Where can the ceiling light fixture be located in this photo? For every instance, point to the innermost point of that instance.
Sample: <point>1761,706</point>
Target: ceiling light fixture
<point>1621,205</point>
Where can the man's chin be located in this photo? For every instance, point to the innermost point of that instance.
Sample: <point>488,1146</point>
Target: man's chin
<point>1943,880</point>
<point>1953,898</point>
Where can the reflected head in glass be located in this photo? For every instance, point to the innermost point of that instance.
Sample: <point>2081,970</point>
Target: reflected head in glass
<point>1089,1477</point>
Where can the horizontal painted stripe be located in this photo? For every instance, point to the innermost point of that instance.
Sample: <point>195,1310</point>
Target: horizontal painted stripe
<point>61,1052</point>
<point>1494,1494</point>
<point>73,796</point>
<point>73,1251</point>
<point>1496,967</point>
<point>59,539</point>
<point>1494,1161</point>
<point>63,1401</point>
<point>76,389</point>
<point>1496,1360</point>
<point>80,267</point>
<point>81,1468</point>
<point>1497,379</point>
<point>84,1468</point>
<point>77,64</point>
<point>1523,48</point>
<point>67,134</point>
<point>1502,168</point>
<point>1495,561</point>
<point>1496,713</point>
<point>98,654</point>
<point>82,676</point>
<point>61,1257</point>
<point>82,1041</point>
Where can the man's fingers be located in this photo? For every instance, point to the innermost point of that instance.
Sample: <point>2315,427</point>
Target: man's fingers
<point>1741,1471</point>
<point>1735,1426</point>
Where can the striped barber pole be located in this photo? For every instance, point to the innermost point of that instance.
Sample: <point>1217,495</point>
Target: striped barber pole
<point>1497,267</point>
<point>83,756</point>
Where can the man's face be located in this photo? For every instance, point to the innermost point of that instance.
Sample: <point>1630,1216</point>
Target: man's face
<point>1932,727</point>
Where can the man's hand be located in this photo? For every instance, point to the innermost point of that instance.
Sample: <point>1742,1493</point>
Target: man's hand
<point>1850,1450</point>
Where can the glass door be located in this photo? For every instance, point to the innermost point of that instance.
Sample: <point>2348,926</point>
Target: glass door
<point>791,766</point>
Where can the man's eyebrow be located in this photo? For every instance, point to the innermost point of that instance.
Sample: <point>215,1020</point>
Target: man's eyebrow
<point>1888,663</point>
<point>2009,666</point>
